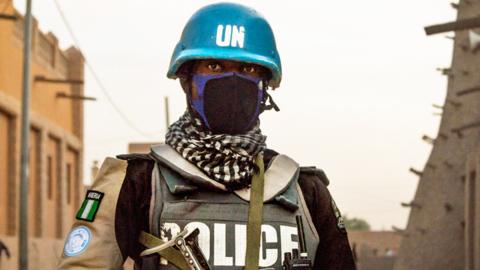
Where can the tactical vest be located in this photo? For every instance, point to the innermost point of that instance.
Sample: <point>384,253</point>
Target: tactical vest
<point>183,196</point>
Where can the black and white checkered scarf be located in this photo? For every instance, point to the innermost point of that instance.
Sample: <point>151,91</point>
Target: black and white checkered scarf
<point>228,159</point>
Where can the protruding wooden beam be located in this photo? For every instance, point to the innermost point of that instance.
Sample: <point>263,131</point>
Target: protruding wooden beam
<point>40,78</point>
<point>8,17</point>
<point>445,71</point>
<point>454,103</point>
<point>443,136</point>
<point>416,172</point>
<point>431,166</point>
<point>458,25</point>
<point>465,127</point>
<point>65,95</point>
<point>428,139</point>
<point>469,90</point>
<point>411,204</point>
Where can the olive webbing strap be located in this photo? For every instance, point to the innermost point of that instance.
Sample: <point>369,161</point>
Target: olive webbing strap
<point>255,216</point>
<point>170,254</point>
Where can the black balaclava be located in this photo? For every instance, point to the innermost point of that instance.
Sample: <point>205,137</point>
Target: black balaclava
<point>227,103</point>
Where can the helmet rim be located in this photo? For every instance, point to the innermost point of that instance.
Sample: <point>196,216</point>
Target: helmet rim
<point>226,54</point>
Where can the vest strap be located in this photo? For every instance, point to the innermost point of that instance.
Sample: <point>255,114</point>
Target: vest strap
<point>255,216</point>
<point>170,254</point>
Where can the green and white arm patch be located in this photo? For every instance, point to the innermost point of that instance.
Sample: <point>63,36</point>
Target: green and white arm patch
<point>93,244</point>
<point>90,206</point>
<point>338,216</point>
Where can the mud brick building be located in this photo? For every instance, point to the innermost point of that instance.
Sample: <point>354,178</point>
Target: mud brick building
<point>443,230</point>
<point>56,140</point>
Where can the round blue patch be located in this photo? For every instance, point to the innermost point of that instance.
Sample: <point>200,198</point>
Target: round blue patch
<point>77,241</point>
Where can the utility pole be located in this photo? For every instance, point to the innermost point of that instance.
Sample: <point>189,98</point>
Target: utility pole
<point>24,177</point>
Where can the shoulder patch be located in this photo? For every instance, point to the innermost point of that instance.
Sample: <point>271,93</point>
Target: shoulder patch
<point>338,216</point>
<point>77,241</point>
<point>90,206</point>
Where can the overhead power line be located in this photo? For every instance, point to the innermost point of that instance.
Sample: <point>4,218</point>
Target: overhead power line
<point>95,74</point>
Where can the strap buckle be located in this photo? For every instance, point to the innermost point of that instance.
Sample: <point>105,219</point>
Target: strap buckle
<point>184,244</point>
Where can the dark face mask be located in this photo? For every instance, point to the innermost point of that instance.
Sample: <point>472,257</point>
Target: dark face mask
<point>228,103</point>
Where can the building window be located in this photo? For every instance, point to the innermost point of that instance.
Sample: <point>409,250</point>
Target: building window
<point>49,177</point>
<point>7,177</point>
<point>35,183</point>
<point>73,185</point>
<point>69,183</point>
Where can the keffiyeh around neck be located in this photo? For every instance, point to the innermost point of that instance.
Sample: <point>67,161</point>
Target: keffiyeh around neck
<point>228,159</point>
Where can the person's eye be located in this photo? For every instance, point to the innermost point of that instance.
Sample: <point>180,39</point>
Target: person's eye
<point>215,67</point>
<point>249,69</point>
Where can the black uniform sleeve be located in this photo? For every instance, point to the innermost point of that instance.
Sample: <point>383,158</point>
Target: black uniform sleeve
<point>334,249</point>
<point>133,204</point>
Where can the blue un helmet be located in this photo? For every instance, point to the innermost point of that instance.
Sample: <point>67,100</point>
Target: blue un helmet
<point>228,31</point>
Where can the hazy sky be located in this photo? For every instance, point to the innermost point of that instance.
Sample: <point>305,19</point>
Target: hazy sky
<point>356,97</point>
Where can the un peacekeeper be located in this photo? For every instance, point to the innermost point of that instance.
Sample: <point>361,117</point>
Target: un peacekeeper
<point>212,169</point>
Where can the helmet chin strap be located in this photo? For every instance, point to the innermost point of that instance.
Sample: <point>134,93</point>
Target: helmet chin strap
<point>267,98</point>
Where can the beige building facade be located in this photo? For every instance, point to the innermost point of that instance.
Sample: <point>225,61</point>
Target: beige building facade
<point>56,140</point>
<point>443,230</point>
